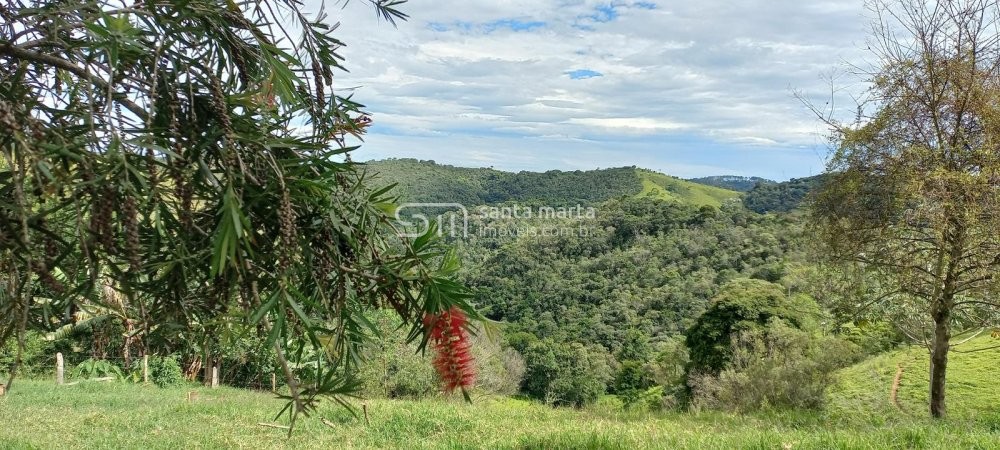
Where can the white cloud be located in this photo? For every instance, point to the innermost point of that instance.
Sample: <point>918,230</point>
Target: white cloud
<point>629,123</point>
<point>715,71</point>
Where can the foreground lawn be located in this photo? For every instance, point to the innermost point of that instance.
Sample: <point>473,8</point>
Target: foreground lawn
<point>973,392</point>
<point>38,414</point>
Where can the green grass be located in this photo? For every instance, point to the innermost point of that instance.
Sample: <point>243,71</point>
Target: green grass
<point>973,389</point>
<point>665,187</point>
<point>38,414</point>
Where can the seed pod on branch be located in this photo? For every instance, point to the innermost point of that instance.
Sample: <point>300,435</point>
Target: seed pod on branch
<point>286,217</point>
<point>131,224</point>
<point>319,80</point>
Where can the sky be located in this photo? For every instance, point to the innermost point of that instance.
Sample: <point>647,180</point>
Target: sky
<point>689,88</point>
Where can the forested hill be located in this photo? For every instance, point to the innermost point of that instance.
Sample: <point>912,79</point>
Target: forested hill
<point>427,181</point>
<point>781,197</point>
<point>732,182</point>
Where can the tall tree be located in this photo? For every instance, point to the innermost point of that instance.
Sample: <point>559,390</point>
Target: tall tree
<point>192,155</point>
<point>914,193</point>
<point>742,305</point>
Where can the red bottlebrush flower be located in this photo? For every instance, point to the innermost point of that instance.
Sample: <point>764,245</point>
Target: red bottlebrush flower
<point>454,361</point>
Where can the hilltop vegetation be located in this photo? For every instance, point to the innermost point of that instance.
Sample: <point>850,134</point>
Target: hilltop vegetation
<point>732,182</point>
<point>429,182</point>
<point>664,187</point>
<point>781,197</point>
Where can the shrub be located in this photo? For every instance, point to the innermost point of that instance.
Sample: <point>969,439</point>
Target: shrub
<point>873,337</point>
<point>392,368</point>
<point>631,381</point>
<point>668,369</point>
<point>97,368</point>
<point>653,399</point>
<point>779,367</point>
<point>246,360</point>
<point>38,355</point>
<point>566,374</point>
<point>163,370</point>
<point>395,370</point>
<point>501,369</point>
<point>575,390</point>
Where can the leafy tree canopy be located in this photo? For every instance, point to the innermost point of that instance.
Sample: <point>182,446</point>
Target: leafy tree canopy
<point>191,155</point>
<point>741,306</point>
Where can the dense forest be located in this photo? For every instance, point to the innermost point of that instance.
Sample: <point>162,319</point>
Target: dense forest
<point>781,197</point>
<point>603,304</point>
<point>428,182</point>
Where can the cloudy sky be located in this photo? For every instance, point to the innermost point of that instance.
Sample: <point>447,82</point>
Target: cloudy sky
<point>690,88</point>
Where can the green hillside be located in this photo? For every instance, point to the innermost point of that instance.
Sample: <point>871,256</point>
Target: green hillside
<point>665,187</point>
<point>427,181</point>
<point>864,390</point>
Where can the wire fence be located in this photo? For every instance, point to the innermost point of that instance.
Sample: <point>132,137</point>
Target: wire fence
<point>82,366</point>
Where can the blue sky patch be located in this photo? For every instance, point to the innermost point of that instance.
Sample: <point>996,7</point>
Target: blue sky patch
<point>487,27</point>
<point>583,74</point>
<point>436,26</point>
<point>605,13</point>
<point>512,24</point>
<point>453,26</point>
<point>608,12</point>
<point>602,14</point>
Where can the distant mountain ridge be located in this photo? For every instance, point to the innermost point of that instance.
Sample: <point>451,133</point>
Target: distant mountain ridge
<point>430,182</point>
<point>732,182</point>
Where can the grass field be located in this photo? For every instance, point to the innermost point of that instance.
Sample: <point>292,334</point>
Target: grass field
<point>973,390</point>
<point>38,414</point>
<point>665,187</point>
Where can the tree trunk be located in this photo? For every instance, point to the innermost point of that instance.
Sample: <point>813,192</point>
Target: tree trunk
<point>207,369</point>
<point>939,363</point>
<point>955,239</point>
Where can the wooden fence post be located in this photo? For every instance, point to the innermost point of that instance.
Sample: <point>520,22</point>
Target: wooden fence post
<point>145,369</point>
<point>60,369</point>
<point>215,374</point>
<point>3,389</point>
<point>207,370</point>
<point>274,383</point>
